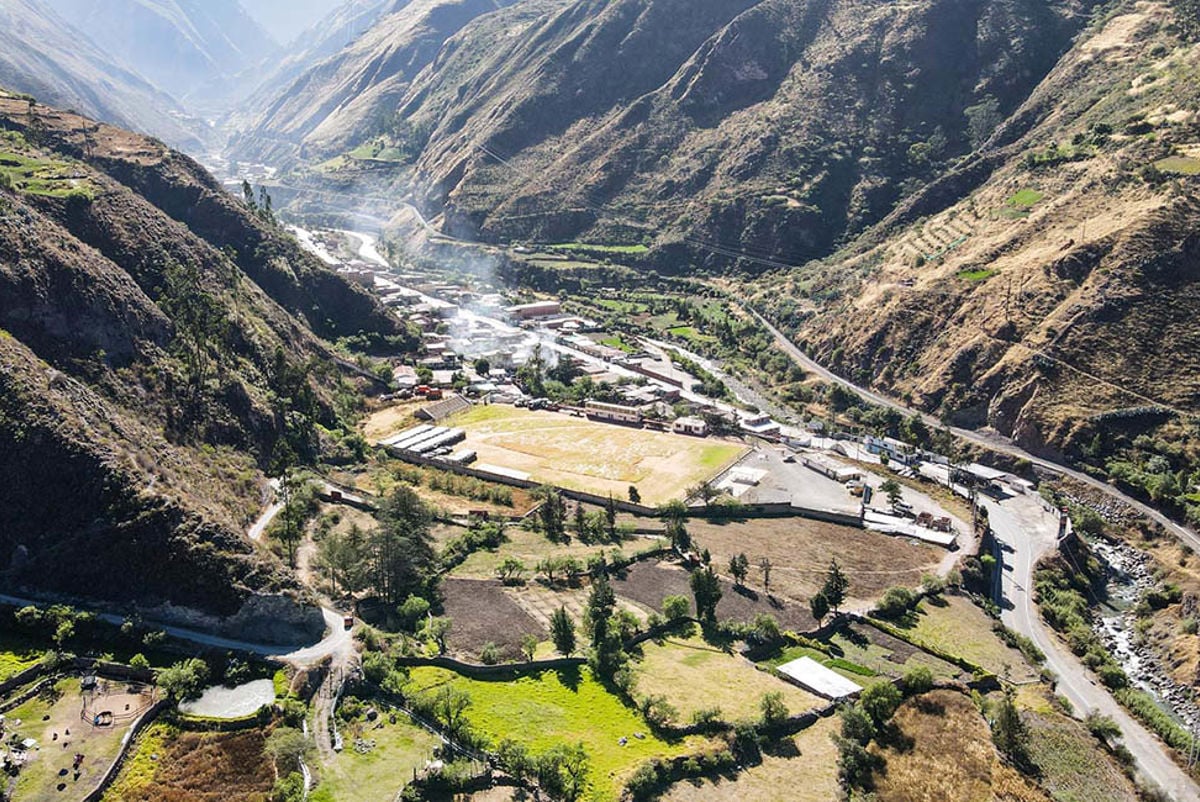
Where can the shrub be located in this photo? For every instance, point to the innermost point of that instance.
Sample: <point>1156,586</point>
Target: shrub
<point>918,679</point>
<point>489,655</point>
<point>896,603</point>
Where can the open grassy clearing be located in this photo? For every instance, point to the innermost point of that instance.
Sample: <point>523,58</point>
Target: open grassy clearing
<point>379,774</point>
<point>57,179</point>
<point>800,550</point>
<point>169,765</point>
<point>596,457</point>
<point>1025,198</point>
<point>598,248</point>
<point>1181,165</point>
<point>17,654</point>
<point>482,612</point>
<point>47,718</point>
<point>694,675</point>
<point>802,768</point>
<point>545,708</point>
<point>947,756</point>
<point>531,548</point>
<point>861,653</point>
<point>976,275</point>
<point>1073,767</point>
<point>957,626</point>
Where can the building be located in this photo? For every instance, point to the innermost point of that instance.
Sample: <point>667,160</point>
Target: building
<point>614,413</point>
<point>405,376</point>
<point>535,310</point>
<point>812,676</point>
<point>831,469</point>
<point>697,427</point>
<point>895,450</point>
<point>759,424</point>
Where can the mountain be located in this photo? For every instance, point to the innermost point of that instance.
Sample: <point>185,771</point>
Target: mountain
<point>337,102</point>
<point>775,127</point>
<point>160,344</point>
<point>287,19</point>
<point>43,55</point>
<point>1047,285</point>
<point>189,48</point>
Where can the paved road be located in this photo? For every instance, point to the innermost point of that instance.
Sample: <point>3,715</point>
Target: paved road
<point>1027,532</point>
<point>990,440</point>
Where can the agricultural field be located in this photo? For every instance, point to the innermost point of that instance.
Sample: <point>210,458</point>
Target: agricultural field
<point>694,675</point>
<point>954,625</point>
<point>377,773</point>
<point>17,654</point>
<point>944,752</point>
<point>482,612</point>
<point>1071,766</point>
<point>861,653</point>
<point>800,550</point>
<point>546,708</point>
<point>50,177</point>
<point>802,768</point>
<point>48,718</point>
<point>531,548</point>
<point>169,764</point>
<point>596,457</point>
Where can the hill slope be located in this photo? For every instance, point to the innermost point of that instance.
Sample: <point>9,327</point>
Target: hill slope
<point>1047,286</point>
<point>43,55</point>
<point>156,349</point>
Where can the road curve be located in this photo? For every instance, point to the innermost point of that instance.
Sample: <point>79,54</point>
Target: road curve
<point>1027,532</point>
<point>992,440</point>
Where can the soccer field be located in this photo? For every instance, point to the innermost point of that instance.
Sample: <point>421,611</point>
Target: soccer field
<point>594,457</point>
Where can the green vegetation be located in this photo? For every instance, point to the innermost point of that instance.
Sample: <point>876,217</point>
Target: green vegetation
<point>586,247</point>
<point>1179,165</point>
<point>546,709</point>
<point>376,774</point>
<point>976,275</point>
<point>43,176</point>
<point>1025,198</point>
<point>18,653</point>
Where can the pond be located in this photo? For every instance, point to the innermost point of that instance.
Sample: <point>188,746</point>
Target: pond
<point>222,702</point>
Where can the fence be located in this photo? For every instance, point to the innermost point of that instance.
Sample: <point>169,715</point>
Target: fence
<point>126,742</point>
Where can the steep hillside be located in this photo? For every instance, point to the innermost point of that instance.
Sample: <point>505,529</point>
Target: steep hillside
<point>156,351</point>
<point>338,102</point>
<point>44,55</point>
<point>1047,287</point>
<point>189,48</point>
<point>770,127</point>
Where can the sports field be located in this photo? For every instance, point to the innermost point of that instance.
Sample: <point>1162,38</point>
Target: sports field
<point>600,458</point>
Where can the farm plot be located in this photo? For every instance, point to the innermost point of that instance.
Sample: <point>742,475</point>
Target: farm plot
<point>800,550</point>
<point>169,764</point>
<point>860,652</point>
<point>800,769</point>
<point>547,708</point>
<point>594,457</point>
<point>649,583</point>
<point>694,675</point>
<point>530,548</point>
<point>481,613</point>
<point>376,770</point>
<point>954,625</point>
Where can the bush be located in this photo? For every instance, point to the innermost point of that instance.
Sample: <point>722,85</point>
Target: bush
<point>918,679</point>
<point>676,607</point>
<point>489,655</point>
<point>896,603</point>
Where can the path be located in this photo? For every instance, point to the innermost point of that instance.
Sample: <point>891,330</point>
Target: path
<point>1026,532</point>
<point>256,529</point>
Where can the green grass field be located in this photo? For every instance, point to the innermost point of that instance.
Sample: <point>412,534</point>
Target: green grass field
<point>17,654</point>
<point>55,179</point>
<point>542,709</point>
<point>598,248</point>
<point>982,274</point>
<point>595,457</point>
<point>1025,198</point>
<point>961,628</point>
<point>378,775</point>
<point>1181,165</point>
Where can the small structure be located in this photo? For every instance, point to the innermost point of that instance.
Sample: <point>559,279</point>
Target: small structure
<point>535,310</point>
<point>759,424</point>
<point>832,469</point>
<point>816,678</point>
<point>451,405</point>
<point>697,427</point>
<point>615,413</point>
<point>895,450</point>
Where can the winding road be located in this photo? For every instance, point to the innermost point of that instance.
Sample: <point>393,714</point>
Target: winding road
<point>1026,532</point>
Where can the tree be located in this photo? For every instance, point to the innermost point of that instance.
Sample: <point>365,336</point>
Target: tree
<point>340,559</point>
<point>298,497</point>
<point>818,605</point>
<point>63,633</point>
<point>705,491</point>
<point>1009,731</point>
<point>706,589</point>
<point>774,709</point>
<point>600,604</point>
<point>412,612</point>
<point>765,566</point>
<point>766,628</point>
<point>562,632</point>
<point>918,679</point>
<point>510,569</point>
<point>529,645</point>
<point>450,707</point>
<point>437,629</point>
<point>891,488</point>
<point>895,603</point>
<point>482,367</point>
<point>879,701</point>
<point>139,662</point>
<point>581,527</point>
<point>635,496</point>
<point>610,517</point>
<point>287,746</point>
<point>836,584</point>
<point>675,607</point>
<point>551,513</point>
<point>739,566</point>
<point>401,559</point>
<point>184,680</point>
<point>196,314</point>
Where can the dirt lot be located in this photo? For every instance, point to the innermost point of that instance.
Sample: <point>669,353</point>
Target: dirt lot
<point>597,457</point>
<point>800,551</point>
<point>168,765</point>
<point>390,420</point>
<point>482,612</point>
<point>649,583</point>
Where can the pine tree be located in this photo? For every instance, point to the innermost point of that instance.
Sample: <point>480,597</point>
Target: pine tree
<point>835,586</point>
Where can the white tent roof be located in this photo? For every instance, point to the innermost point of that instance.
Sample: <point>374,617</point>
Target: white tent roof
<point>819,679</point>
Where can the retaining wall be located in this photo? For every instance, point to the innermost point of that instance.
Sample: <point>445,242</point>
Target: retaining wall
<point>109,776</point>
